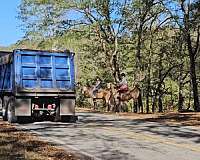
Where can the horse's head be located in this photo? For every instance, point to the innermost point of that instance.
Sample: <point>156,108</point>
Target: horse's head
<point>78,85</point>
<point>84,90</point>
<point>109,85</point>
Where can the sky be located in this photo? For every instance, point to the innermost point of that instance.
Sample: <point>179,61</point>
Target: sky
<point>10,31</point>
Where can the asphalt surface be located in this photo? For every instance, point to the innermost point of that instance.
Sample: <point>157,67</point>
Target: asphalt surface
<point>109,137</point>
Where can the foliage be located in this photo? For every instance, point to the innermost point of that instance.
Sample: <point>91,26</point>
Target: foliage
<point>144,38</point>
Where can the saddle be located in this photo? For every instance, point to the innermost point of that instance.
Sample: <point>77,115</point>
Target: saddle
<point>123,89</point>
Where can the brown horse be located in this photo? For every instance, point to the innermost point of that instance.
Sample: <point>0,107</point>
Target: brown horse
<point>134,94</point>
<point>103,94</point>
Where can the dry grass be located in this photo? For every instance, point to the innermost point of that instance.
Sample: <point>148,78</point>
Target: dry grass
<point>15,144</point>
<point>183,119</point>
<point>174,118</point>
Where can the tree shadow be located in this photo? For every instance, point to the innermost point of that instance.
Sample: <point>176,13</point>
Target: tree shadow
<point>154,126</point>
<point>91,127</point>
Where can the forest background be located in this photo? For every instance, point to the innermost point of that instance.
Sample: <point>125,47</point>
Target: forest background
<point>155,42</point>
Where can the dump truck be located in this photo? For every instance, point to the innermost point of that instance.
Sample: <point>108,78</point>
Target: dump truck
<point>36,84</point>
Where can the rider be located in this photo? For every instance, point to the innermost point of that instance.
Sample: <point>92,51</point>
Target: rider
<point>123,84</point>
<point>97,86</point>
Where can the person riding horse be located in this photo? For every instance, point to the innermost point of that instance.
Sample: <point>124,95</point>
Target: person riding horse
<point>123,84</point>
<point>97,86</point>
<point>122,87</point>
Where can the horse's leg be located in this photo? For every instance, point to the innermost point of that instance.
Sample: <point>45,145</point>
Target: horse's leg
<point>94,104</point>
<point>138,104</point>
<point>120,103</point>
<point>114,105</point>
<point>105,104</point>
<point>132,105</point>
<point>111,103</point>
<point>125,107</point>
<point>135,106</point>
<point>120,106</point>
<point>108,102</point>
<point>117,105</point>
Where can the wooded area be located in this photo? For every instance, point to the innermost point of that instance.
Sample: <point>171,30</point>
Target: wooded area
<point>155,42</point>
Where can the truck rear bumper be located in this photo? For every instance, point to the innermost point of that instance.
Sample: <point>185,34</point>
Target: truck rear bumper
<point>45,94</point>
<point>24,105</point>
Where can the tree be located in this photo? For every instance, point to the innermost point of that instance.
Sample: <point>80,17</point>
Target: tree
<point>155,42</point>
<point>188,18</point>
<point>101,18</point>
<point>192,24</point>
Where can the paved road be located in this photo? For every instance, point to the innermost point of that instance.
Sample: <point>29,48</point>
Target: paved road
<point>112,138</point>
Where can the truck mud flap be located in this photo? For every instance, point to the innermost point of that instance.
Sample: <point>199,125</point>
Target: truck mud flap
<point>67,107</point>
<point>23,107</point>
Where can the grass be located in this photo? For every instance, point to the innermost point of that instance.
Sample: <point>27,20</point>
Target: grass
<point>16,144</point>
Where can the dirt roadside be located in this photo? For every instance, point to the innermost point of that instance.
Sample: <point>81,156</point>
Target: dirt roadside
<point>20,145</point>
<point>171,118</point>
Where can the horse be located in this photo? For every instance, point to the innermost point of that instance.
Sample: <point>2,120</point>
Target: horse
<point>134,94</point>
<point>103,94</point>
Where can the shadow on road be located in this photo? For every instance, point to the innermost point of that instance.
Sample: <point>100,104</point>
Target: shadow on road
<point>153,126</point>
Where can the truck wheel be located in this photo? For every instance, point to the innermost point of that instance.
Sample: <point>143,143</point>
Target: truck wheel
<point>5,108</point>
<point>4,114</point>
<point>1,106</point>
<point>57,115</point>
<point>11,111</point>
<point>24,119</point>
<point>69,118</point>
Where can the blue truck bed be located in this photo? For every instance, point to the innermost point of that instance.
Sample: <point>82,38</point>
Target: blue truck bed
<point>35,71</point>
<point>37,83</point>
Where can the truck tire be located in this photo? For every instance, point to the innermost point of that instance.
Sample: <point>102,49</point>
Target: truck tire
<point>4,114</point>
<point>24,119</point>
<point>11,110</point>
<point>69,118</point>
<point>4,108</point>
<point>1,106</point>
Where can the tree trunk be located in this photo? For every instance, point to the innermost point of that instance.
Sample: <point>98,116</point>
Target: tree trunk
<point>138,52</point>
<point>187,29</point>
<point>115,69</point>
<point>153,103</point>
<point>148,90</point>
<point>180,78</point>
<point>180,100</point>
<point>159,89</point>
<point>115,62</point>
<point>149,77</point>
<point>160,105</point>
<point>193,74</point>
<point>147,103</point>
<point>180,91</point>
<point>140,104</point>
<point>190,97</point>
